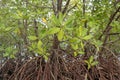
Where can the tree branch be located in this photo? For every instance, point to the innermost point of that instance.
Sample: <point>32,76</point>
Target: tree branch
<point>71,8</point>
<point>59,6</point>
<point>54,7</point>
<point>107,29</point>
<point>113,33</point>
<point>66,6</point>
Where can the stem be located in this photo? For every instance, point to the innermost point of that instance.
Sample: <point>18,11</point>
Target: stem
<point>110,21</point>
<point>66,7</point>
<point>107,30</point>
<point>85,24</point>
<point>36,29</point>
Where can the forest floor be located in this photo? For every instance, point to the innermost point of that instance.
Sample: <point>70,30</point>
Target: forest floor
<point>59,68</point>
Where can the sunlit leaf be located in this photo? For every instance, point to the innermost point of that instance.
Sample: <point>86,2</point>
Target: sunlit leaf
<point>74,46</point>
<point>60,35</point>
<point>45,57</point>
<point>74,40</point>
<point>94,63</point>
<point>82,45</point>
<point>91,59</point>
<point>39,44</point>
<point>87,37</point>
<point>75,54</point>
<point>53,30</point>
<point>81,52</point>
<point>32,38</point>
<point>8,28</point>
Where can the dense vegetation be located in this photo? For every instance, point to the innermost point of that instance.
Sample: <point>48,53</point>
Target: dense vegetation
<point>58,31</point>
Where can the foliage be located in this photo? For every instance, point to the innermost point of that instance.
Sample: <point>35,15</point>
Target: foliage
<point>90,62</point>
<point>29,26</point>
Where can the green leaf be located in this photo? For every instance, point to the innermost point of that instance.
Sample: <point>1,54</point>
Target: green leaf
<point>88,64</point>
<point>12,56</point>
<point>81,52</point>
<point>43,33</point>
<point>74,40</point>
<point>6,54</point>
<point>8,28</point>
<point>45,57</point>
<point>19,13</point>
<point>39,44</point>
<point>33,46</point>
<point>97,43</point>
<point>74,46</point>
<point>61,17</point>
<point>94,63</point>
<point>53,30</point>
<point>91,59</point>
<point>32,38</point>
<point>68,22</point>
<point>75,54</point>
<point>80,31</point>
<point>55,21</point>
<point>82,45</point>
<point>60,35</point>
<point>89,67</point>
<point>86,61</point>
<point>87,37</point>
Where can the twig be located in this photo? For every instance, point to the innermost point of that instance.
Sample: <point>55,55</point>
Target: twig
<point>59,6</point>
<point>108,25</point>
<point>54,7</point>
<point>113,41</point>
<point>71,8</point>
<point>107,30</point>
<point>113,33</point>
<point>66,6</point>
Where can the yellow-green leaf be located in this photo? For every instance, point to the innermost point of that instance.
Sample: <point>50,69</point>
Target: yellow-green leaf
<point>94,63</point>
<point>53,30</point>
<point>32,37</point>
<point>74,46</point>
<point>60,35</point>
<point>91,59</point>
<point>82,45</point>
<point>8,28</point>
<point>45,57</point>
<point>81,52</point>
<point>87,37</point>
<point>75,54</point>
<point>39,44</point>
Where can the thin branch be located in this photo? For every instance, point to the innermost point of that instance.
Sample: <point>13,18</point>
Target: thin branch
<point>113,41</point>
<point>59,5</point>
<point>54,7</point>
<point>107,29</point>
<point>117,17</point>
<point>66,6</point>
<point>36,29</point>
<point>71,8</point>
<point>113,33</point>
<point>84,7</point>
